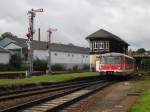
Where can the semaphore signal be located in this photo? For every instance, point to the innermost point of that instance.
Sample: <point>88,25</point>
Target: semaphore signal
<point>50,30</point>
<point>31,15</point>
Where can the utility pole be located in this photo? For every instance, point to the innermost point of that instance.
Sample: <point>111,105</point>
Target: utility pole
<point>49,48</point>
<point>31,15</point>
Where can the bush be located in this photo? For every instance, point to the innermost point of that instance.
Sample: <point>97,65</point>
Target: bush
<point>15,61</point>
<point>86,67</point>
<point>5,67</point>
<point>75,68</point>
<point>40,65</point>
<point>57,67</point>
<point>145,64</point>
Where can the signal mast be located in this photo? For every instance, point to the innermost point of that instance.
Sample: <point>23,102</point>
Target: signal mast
<point>50,30</point>
<point>31,15</point>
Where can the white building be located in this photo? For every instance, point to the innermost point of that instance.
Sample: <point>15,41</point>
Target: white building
<point>66,55</point>
<point>4,56</point>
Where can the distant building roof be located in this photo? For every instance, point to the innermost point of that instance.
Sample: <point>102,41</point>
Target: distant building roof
<point>69,48</point>
<point>103,34</point>
<point>42,45</point>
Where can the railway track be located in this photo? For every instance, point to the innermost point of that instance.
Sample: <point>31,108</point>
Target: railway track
<point>41,90</point>
<point>28,96</point>
<point>44,86</point>
<point>61,99</point>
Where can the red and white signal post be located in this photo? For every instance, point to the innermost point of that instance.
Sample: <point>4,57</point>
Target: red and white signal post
<point>31,15</point>
<point>49,48</point>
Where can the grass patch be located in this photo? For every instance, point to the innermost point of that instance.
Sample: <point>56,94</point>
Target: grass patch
<point>142,85</point>
<point>46,78</point>
<point>143,102</point>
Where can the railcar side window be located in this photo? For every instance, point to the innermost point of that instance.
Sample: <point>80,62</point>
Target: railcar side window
<point>110,60</point>
<point>117,60</point>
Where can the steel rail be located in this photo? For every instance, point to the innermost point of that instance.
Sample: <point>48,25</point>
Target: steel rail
<point>39,91</point>
<point>39,101</point>
<point>44,87</point>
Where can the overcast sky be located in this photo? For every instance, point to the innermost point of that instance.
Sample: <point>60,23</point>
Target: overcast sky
<point>76,19</point>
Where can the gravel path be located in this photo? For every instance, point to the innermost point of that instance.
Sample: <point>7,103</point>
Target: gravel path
<point>110,97</point>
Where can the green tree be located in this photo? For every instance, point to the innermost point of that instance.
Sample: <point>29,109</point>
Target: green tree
<point>7,34</point>
<point>141,50</point>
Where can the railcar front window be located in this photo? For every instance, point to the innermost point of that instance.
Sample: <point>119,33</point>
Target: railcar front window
<point>110,60</point>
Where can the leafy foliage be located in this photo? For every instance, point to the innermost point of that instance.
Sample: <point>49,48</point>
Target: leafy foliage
<point>7,34</point>
<point>57,67</point>
<point>145,65</point>
<point>16,61</point>
<point>39,65</point>
<point>75,68</point>
<point>86,67</point>
<point>4,67</point>
<point>141,50</point>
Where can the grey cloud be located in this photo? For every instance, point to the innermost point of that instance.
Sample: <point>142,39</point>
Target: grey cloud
<point>76,19</point>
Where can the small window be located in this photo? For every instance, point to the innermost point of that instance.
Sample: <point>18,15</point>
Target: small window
<point>83,56</point>
<point>55,54</point>
<point>68,54</point>
<point>96,44</point>
<point>86,56</point>
<point>72,55</point>
<point>100,45</point>
<point>92,44</point>
<point>104,44</point>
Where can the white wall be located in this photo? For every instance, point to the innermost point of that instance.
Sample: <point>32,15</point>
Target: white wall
<point>41,54</point>
<point>63,57</point>
<point>4,58</point>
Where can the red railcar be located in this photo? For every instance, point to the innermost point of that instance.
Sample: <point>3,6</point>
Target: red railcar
<point>115,64</point>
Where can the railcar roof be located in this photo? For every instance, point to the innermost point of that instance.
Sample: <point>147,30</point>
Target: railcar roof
<point>116,54</point>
